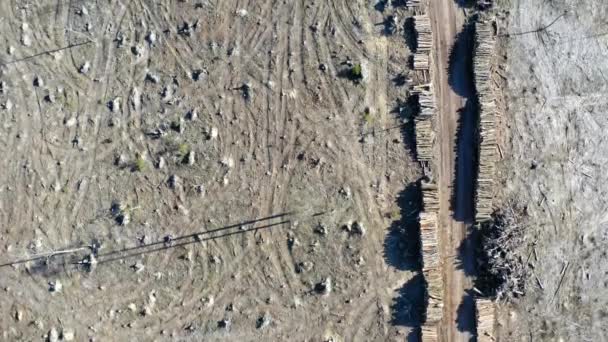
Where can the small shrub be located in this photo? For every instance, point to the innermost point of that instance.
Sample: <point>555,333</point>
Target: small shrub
<point>140,164</point>
<point>368,118</point>
<point>182,150</point>
<point>395,215</point>
<point>356,72</point>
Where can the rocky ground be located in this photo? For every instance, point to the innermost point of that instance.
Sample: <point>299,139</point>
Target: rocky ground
<point>554,167</point>
<point>230,178</point>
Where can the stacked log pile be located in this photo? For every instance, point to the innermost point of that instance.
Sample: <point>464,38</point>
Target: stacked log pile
<point>485,320</point>
<point>430,197</point>
<point>431,266</point>
<point>488,154</point>
<point>425,34</point>
<point>421,61</point>
<point>428,236</point>
<point>429,333</point>
<point>422,58</point>
<point>414,3</point>
<point>425,137</point>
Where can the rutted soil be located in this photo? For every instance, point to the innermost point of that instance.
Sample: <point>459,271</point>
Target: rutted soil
<point>187,117</point>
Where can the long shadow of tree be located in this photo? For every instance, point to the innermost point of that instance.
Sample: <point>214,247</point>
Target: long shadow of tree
<point>402,251</point>
<point>410,34</point>
<point>461,80</point>
<point>465,259</point>
<point>406,112</point>
<point>465,315</point>
<point>402,243</point>
<point>460,62</point>
<point>466,3</point>
<point>409,307</point>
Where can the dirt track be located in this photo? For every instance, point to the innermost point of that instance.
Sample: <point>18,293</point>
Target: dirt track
<point>455,144</point>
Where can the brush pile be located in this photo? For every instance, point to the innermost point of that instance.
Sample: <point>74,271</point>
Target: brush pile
<point>501,269</point>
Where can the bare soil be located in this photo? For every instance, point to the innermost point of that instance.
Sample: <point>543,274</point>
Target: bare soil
<point>554,167</point>
<point>231,238</point>
<point>455,168</point>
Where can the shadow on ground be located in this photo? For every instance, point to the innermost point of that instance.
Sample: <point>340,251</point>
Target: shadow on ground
<point>402,251</point>
<point>409,307</point>
<point>466,3</point>
<point>460,63</point>
<point>461,80</point>
<point>402,243</point>
<point>406,112</point>
<point>465,315</point>
<point>410,34</point>
<point>465,259</point>
<point>52,264</point>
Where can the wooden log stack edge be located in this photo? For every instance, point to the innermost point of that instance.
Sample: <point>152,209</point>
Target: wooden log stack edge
<point>431,266</point>
<point>488,153</point>
<point>423,123</point>
<point>430,197</point>
<point>486,315</point>
<point>429,333</point>
<point>414,3</point>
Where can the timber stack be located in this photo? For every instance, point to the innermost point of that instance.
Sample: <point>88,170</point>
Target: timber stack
<point>431,269</point>
<point>424,42</point>
<point>430,196</point>
<point>488,154</point>
<point>485,320</point>
<point>414,3</point>
<point>429,333</point>
<point>425,137</point>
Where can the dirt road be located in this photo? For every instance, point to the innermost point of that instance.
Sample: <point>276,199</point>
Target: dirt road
<point>456,168</point>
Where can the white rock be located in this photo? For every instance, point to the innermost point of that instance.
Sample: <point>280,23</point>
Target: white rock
<point>18,315</point>
<point>53,335</point>
<point>242,12</point>
<point>161,163</point>
<point>67,334</point>
<point>26,40</point>
<point>55,286</point>
<point>38,82</point>
<point>70,122</point>
<point>208,301</point>
<point>192,115</point>
<point>138,267</point>
<point>213,133</point>
<point>151,37</point>
<point>85,67</point>
<point>228,162</point>
<point>191,158</point>
<point>8,105</point>
<point>200,189</point>
<point>115,105</point>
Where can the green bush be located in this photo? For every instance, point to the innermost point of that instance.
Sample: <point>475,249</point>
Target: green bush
<point>356,72</point>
